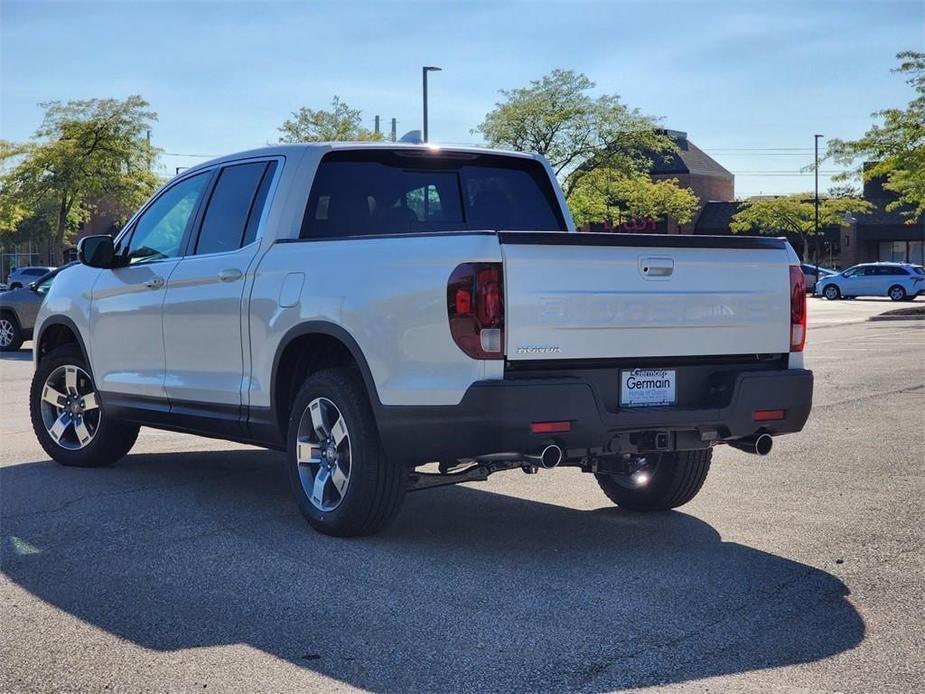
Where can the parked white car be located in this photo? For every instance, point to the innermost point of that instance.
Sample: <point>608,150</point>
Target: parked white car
<point>899,281</point>
<point>375,308</point>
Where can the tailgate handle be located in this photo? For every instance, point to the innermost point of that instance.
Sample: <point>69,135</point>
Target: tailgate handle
<point>656,267</point>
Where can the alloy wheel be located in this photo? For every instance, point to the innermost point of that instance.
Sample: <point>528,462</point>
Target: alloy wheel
<point>323,454</point>
<point>831,292</point>
<point>6,332</point>
<point>897,294</point>
<point>70,407</point>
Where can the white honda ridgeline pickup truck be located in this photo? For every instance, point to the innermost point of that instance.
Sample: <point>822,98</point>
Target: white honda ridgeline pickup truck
<point>372,309</point>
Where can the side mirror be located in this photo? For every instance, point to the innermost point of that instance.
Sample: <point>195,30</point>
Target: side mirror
<point>97,251</point>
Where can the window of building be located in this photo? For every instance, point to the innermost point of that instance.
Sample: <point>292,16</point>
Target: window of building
<point>916,249</point>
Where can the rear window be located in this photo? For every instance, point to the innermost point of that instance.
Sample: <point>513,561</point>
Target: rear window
<point>364,193</point>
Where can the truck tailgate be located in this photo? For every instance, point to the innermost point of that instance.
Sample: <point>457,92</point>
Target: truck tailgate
<point>589,295</point>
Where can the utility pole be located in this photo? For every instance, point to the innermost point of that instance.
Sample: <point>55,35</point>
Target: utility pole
<point>424,71</point>
<point>816,139</point>
<point>394,130</point>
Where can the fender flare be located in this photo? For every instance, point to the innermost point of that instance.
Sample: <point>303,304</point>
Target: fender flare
<point>319,327</point>
<point>70,325</point>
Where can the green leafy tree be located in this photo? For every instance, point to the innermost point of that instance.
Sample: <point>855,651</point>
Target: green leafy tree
<point>607,195</point>
<point>557,117</point>
<point>84,153</point>
<point>795,214</point>
<point>339,124</point>
<point>897,145</point>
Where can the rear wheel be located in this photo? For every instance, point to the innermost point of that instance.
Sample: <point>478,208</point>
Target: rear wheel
<point>831,292</point>
<point>341,480</point>
<point>10,334</point>
<point>665,481</point>
<point>67,417</point>
<point>897,293</point>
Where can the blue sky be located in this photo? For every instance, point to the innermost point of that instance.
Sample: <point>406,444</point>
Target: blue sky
<point>222,76</point>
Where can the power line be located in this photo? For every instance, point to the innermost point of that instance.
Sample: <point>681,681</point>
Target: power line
<point>182,154</point>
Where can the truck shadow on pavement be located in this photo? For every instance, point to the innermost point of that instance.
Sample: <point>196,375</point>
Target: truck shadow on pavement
<point>469,590</point>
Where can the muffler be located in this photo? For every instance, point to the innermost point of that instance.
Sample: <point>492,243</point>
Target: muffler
<point>760,444</point>
<point>548,458</point>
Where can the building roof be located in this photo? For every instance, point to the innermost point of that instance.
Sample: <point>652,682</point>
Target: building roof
<point>689,159</point>
<point>715,217</point>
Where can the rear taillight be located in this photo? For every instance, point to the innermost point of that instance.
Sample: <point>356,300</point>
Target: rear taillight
<point>475,305</point>
<point>797,309</point>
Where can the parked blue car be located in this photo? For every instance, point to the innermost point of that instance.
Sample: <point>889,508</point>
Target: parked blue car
<point>899,281</point>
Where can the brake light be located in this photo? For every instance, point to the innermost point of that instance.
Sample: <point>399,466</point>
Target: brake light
<point>475,306</point>
<point>797,309</point>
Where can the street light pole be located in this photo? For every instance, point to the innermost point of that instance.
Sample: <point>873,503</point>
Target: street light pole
<point>816,139</point>
<point>424,71</point>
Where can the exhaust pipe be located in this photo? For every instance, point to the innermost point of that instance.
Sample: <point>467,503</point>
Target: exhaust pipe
<point>548,458</point>
<point>759,444</point>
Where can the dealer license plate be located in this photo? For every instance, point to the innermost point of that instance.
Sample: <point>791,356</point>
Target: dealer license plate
<point>647,387</point>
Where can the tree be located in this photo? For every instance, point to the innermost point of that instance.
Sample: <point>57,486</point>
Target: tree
<point>556,116</point>
<point>897,146</point>
<point>795,214</point>
<point>83,153</point>
<point>606,195</point>
<point>339,124</point>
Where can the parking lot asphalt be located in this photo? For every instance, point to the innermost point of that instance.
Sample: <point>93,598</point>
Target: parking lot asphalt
<point>186,566</point>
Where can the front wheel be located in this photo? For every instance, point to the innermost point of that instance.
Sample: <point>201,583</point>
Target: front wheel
<point>665,481</point>
<point>897,293</point>
<point>10,334</point>
<point>67,416</point>
<point>831,292</point>
<point>340,478</point>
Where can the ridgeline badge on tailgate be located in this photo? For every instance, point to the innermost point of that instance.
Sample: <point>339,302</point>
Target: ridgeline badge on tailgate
<point>538,349</point>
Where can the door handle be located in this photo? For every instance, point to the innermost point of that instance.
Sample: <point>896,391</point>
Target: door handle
<point>230,275</point>
<point>155,283</point>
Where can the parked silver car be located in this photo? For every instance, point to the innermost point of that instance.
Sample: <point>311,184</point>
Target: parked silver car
<point>24,276</point>
<point>18,309</point>
<point>899,281</point>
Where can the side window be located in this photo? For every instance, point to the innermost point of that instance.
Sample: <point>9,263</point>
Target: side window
<point>43,286</point>
<point>159,231</point>
<point>260,201</point>
<point>226,225</point>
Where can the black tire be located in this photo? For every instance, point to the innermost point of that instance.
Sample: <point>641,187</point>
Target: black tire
<point>112,439</point>
<point>376,486</point>
<point>897,293</point>
<point>10,333</point>
<point>675,480</point>
<point>831,292</point>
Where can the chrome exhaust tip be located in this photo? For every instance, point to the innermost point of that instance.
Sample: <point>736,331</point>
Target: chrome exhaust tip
<point>760,444</point>
<point>548,458</point>
<point>763,444</point>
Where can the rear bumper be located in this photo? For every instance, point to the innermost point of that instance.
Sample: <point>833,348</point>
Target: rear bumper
<point>495,416</point>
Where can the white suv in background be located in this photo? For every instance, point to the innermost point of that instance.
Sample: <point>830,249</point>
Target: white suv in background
<point>899,281</point>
